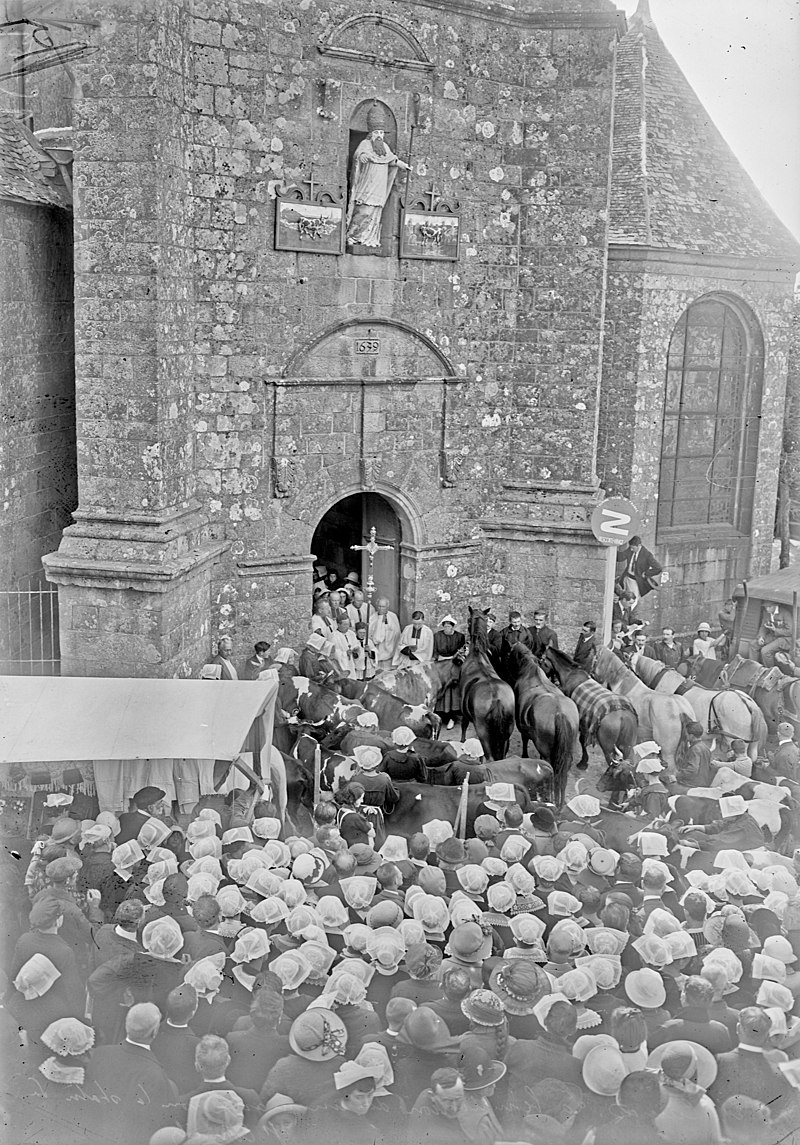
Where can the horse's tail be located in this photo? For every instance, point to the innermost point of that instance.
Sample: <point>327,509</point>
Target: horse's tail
<point>684,743</point>
<point>499,726</point>
<point>563,749</point>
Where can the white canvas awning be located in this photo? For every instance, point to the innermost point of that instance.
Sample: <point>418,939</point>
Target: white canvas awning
<point>73,718</point>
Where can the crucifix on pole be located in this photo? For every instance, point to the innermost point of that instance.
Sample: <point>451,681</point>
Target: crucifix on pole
<point>371,548</point>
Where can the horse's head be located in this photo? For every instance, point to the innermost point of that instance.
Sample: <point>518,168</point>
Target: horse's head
<point>478,628</point>
<point>557,664</point>
<point>517,657</point>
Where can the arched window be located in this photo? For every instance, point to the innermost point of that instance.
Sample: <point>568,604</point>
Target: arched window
<point>709,446</point>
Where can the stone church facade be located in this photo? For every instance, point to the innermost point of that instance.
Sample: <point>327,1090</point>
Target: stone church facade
<point>249,383</point>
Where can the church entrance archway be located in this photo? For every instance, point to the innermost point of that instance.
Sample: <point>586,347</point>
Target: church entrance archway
<point>348,523</point>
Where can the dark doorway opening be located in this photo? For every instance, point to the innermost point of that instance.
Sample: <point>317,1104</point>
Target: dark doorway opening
<point>348,523</point>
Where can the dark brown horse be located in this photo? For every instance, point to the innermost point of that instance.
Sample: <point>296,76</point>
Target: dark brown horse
<point>486,700</point>
<point>605,719</point>
<point>544,715</point>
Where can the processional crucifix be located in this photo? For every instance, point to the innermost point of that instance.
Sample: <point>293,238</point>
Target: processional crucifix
<point>371,548</point>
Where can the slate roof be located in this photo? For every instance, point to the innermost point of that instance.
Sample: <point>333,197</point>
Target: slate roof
<point>675,183</point>
<point>27,173</point>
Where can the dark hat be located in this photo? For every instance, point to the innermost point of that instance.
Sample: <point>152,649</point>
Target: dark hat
<point>468,943</point>
<point>45,912</point>
<point>451,853</point>
<point>424,1029</point>
<point>146,796</point>
<point>543,818</point>
<point>478,1069</point>
<point>367,860</point>
<point>64,830</point>
<point>519,984</point>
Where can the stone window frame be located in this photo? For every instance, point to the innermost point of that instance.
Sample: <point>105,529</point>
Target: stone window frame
<point>751,376</point>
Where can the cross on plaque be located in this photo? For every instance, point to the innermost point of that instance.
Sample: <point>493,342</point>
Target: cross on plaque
<point>311,183</point>
<point>371,548</point>
<point>433,195</point>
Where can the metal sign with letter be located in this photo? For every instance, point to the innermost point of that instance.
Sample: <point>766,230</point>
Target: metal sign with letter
<point>614,522</point>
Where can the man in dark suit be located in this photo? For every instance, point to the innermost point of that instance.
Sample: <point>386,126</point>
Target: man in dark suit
<point>175,1043</point>
<point>146,1099</point>
<point>636,563</point>
<point>211,1060</point>
<point>786,759</point>
<point>541,636</point>
<point>148,804</point>
<point>668,650</point>
<point>746,1070</point>
<point>256,1048</point>
<point>514,632</point>
<point>258,662</point>
<point>587,644</point>
<point>693,1022</point>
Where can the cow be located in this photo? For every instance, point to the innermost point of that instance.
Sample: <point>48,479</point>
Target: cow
<point>335,767</point>
<point>535,775</point>
<point>394,713</point>
<point>420,802</point>
<point>316,703</point>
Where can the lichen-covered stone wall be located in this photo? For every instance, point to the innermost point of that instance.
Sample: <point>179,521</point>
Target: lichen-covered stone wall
<point>37,395</point>
<point>211,409</point>
<point>646,298</point>
<point>512,119</point>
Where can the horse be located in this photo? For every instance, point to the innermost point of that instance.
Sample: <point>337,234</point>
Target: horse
<point>662,718</point>
<point>730,713</point>
<point>605,719</point>
<point>486,700</point>
<point>421,683</point>
<point>779,701</point>
<point>532,774</point>
<point>544,715</point>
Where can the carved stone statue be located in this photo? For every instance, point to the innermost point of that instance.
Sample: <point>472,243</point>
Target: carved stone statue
<point>374,171</point>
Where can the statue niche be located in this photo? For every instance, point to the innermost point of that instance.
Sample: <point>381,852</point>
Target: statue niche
<point>373,165</point>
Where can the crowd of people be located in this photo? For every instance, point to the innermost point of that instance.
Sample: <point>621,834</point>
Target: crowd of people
<point>537,978</point>
<point>226,980</point>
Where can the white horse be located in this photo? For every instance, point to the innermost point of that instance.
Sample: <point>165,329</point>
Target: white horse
<point>729,712</point>
<point>661,717</point>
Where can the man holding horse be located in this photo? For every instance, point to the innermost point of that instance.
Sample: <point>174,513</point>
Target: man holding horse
<point>514,632</point>
<point>542,636</point>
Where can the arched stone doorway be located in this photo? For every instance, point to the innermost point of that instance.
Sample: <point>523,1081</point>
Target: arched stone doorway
<point>348,523</point>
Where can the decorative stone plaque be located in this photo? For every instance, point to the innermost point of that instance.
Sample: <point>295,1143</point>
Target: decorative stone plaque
<point>309,218</point>
<point>430,227</point>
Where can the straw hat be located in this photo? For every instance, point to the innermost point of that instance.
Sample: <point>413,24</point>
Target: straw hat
<point>484,1008</point>
<point>645,988</point>
<point>603,1070</point>
<point>519,985</point>
<point>318,1035</point>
